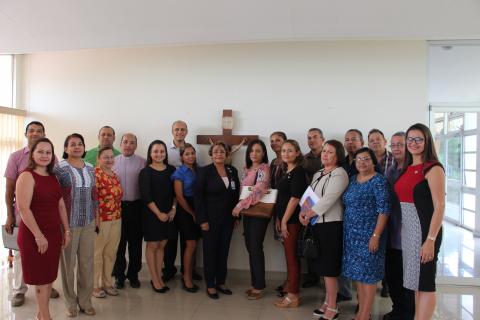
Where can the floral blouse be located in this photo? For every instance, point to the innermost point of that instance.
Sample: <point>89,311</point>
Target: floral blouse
<point>260,180</point>
<point>110,195</point>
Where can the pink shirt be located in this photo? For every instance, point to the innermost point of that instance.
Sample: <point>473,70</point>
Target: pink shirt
<point>261,178</point>
<point>17,162</point>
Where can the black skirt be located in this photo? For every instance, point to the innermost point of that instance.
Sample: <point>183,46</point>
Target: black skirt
<point>329,236</point>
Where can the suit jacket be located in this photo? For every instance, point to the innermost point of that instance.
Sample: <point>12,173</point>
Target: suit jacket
<point>213,201</point>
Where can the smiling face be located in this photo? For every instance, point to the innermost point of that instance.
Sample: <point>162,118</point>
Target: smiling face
<point>106,159</point>
<point>179,131</point>
<point>34,132</point>
<point>415,142</point>
<point>42,155</point>
<point>256,154</point>
<point>364,163</point>
<point>329,156</point>
<point>377,142</point>
<point>276,143</point>
<point>75,148</point>
<point>289,153</point>
<point>158,153</point>
<point>106,137</point>
<point>219,155</point>
<point>128,145</point>
<point>189,156</point>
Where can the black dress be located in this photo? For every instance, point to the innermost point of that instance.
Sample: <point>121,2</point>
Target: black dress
<point>156,186</point>
<point>292,184</point>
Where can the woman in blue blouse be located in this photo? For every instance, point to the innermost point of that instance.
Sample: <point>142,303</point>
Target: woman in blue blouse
<point>184,181</point>
<point>367,205</point>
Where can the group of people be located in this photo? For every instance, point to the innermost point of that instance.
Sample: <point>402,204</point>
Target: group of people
<point>378,216</point>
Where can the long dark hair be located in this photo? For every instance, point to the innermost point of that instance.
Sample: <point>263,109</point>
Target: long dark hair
<point>182,151</point>
<point>339,151</point>
<point>149,156</point>
<point>32,164</point>
<point>429,153</point>
<point>248,161</point>
<point>67,140</point>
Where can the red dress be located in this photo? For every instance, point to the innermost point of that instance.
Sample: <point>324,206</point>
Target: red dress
<point>40,269</point>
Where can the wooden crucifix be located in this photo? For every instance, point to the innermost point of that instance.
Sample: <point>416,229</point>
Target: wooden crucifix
<point>227,136</point>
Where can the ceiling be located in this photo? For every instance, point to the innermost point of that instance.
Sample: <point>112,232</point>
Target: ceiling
<point>32,26</point>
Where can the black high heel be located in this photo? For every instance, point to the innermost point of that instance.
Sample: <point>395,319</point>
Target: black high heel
<point>192,289</point>
<point>213,296</point>
<point>161,290</point>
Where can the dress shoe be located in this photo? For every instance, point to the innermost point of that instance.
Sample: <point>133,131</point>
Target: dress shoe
<point>161,290</point>
<point>225,291</point>
<point>194,288</point>
<point>18,299</point>
<point>341,297</point>
<point>134,283</point>
<point>54,294</point>
<point>120,283</point>
<point>196,276</point>
<point>213,296</point>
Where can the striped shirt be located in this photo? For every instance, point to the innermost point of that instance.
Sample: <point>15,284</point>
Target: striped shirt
<point>79,192</point>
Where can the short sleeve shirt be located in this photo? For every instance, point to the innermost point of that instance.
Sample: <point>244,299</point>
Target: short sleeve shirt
<point>292,184</point>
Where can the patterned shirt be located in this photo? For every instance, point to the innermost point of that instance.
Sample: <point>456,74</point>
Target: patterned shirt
<point>79,192</point>
<point>260,180</point>
<point>110,194</point>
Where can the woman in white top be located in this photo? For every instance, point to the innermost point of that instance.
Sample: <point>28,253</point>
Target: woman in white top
<point>326,216</point>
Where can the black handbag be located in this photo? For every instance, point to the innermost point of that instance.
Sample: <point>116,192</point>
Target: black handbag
<point>307,245</point>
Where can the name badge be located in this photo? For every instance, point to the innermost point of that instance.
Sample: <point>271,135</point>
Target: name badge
<point>232,185</point>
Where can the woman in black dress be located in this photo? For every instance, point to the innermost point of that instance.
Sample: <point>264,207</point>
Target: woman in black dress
<point>157,194</point>
<point>216,194</point>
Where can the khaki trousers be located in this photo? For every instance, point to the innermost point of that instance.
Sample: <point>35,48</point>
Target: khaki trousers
<point>106,245</point>
<point>78,254</point>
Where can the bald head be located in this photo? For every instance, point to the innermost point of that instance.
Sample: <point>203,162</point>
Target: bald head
<point>128,144</point>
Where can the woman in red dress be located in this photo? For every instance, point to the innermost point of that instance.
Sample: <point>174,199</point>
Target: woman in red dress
<point>43,214</point>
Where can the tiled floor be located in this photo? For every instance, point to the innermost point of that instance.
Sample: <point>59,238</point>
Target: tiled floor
<point>143,303</point>
<point>460,256</point>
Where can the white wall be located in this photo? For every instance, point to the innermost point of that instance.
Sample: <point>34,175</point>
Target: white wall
<point>270,86</point>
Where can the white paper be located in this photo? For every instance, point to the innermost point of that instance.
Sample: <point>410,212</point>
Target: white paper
<point>307,201</point>
<point>10,240</point>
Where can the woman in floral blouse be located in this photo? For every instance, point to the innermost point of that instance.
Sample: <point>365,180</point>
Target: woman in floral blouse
<point>108,233</point>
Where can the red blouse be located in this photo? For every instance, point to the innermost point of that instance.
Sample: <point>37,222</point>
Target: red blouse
<point>109,195</point>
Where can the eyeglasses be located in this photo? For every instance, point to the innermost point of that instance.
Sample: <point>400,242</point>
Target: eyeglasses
<point>397,145</point>
<point>362,159</point>
<point>417,140</point>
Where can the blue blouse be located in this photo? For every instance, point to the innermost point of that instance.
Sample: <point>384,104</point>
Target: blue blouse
<point>188,178</point>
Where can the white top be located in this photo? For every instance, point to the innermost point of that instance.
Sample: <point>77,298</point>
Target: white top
<point>225,180</point>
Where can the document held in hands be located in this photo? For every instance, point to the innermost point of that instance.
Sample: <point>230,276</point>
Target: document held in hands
<point>308,200</point>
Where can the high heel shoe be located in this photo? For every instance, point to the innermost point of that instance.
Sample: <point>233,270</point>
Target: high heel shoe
<point>213,296</point>
<point>161,290</point>
<point>192,289</point>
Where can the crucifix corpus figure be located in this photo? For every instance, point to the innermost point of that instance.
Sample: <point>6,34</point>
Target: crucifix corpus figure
<point>234,142</point>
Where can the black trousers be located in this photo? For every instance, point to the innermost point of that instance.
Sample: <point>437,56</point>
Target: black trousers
<point>403,299</point>
<point>131,235</point>
<point>254,230</point>
<point>216,245</point>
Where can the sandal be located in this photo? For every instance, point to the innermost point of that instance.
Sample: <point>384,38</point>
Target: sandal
<point>286,302</point>
<point>332,310</point>
<point>111,291</point>
<point>99,293</point>
<point>320,311</point>
<point>72,312</point>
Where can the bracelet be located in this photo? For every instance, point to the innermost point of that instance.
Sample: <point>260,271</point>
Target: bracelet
<point>374,235</point>
<point>431,238</point>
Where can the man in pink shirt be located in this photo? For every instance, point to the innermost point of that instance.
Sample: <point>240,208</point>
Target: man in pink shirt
<point>17,162</point>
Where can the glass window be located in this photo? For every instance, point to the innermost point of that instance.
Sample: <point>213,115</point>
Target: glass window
<point>470,161</point>
<point>469,201</point>
<point>454,169</point>
<point>6,80</point>
<point>470,121</point>
<point>455,123</point>
<point>470,143</point>
<point>469,219</point>
<point>470,179</point>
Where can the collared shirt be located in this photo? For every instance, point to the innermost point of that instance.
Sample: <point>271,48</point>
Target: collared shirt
<point>188,178</point>
<point>79,192</point>
<point>386,162</point>
<point>174,158</point>
<point>91,156</point>
<point>350,167</point>
<point>312,163</point>
<point>395,221</point>
<point>109,192</point>
<point>17,162</point>
<point>128,169</point>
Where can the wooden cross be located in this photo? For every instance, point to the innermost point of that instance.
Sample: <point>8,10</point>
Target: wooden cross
<point>227,137</point>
